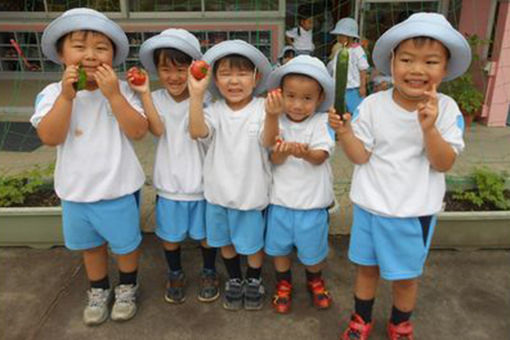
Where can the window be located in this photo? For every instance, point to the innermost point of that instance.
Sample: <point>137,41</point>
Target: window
<point>165,5</point>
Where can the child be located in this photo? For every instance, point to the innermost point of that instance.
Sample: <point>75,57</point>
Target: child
<point>236,168</point>
<point>97,175</point>
<point>288,52</point>
<point>301,37</point>
<point>180,204</point>
<point>402,141</point>
<point>302,187</point>
<point>346,30</point>
<point>381,83</point>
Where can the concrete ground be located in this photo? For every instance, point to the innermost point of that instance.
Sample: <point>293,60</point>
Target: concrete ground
<point>462,295</point>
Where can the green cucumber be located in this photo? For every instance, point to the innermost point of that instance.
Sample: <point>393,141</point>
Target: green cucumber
<point>342,66</point>
<point>82,79</point>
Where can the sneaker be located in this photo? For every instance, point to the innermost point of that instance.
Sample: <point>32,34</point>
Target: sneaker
<point>175,292</point>
<point>209,286</point>
<point>254,294</point>
<point>358,329</point>
<point>233,297</point>
<point>282,297</point>
<point>320,296</point>
<point>96,311</point>
<point>402,331</point>
<point>124,307</point>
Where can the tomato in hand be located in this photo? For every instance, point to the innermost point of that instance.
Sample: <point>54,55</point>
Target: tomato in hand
<point>199,69</point>
<point>137,76</point>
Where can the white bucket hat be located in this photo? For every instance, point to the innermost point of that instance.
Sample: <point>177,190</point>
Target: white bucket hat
<point>346,26</point>
<point>239,47</point>
<point>78,19</point>
<point>177,38</point>
<point>311,67</point>
<point>431,25</point>
<point>285,49</point>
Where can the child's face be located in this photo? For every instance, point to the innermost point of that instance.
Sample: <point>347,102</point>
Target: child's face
<point>90,49</point>
<point>343,39</point>
<point>416,69</point>
<point>174,77</point>
<point>307,24</point>
<point>301,97</point>
<point>236,85</point>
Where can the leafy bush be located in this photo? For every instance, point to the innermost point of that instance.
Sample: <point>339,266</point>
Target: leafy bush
<point>490,188</point>
<point>14,189</point>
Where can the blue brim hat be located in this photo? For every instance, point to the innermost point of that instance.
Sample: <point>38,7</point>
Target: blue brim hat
<point>347,27</point>
<point>177,38</point>
<point>431,25</point>
<point>311,67</point>
<point>239,47</point>
<point>79,19</point>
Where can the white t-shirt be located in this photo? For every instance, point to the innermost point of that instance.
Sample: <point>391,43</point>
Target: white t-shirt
<point>398,180</point>
<point>236,169</point>
<point>357,62</point>
<point>297,183</point>
<point>96,161</point>
<point>179,159</point>
<point>303,39</point>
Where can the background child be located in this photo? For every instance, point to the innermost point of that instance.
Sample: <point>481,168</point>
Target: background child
<point>381,83</point>
<point>302,187</point>
<point>236,169</point>
<point>301,37</point>
<point>97,174</point>
<point>288,52</point>
<point>180,204</point>
<point>402,142</point>
<point>346,30</point>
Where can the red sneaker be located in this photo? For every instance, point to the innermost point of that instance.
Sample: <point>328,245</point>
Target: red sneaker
<point>282,297</point>
<point>358,329</point>
<point>320,295</point>
<point>402,331</point>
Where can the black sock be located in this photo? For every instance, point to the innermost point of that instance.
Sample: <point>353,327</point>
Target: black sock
<point>287,276</point>
<point>173,258</point>
<point>312,276</point>
<point>209,257</point>
<point>253,273</point>
<point>128,278</point>
<point>364,308</point>
<point>397,316</point>
<point>104,283</point>
<point>233,266</point>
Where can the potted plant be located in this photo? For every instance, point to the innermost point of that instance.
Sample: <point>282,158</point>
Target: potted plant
<point>30,213</point>
<point>477,212</point>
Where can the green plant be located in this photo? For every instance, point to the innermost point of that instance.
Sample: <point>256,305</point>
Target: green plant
<point>489,188</point>
<point>14,189</point>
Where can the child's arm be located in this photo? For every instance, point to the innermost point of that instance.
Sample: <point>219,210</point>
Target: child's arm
<point>352,146</point>
<point>363,83</point>
<point>315,157</point>
<point>156,126</point>
<point>274,108</point>
<point>197,88</point>
<point>440,154</point>
<point>281,152</point>
<point>132,123</point>
<point>52,129</point>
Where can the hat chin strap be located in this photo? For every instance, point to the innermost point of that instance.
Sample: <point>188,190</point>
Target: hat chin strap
<point>395,84</point>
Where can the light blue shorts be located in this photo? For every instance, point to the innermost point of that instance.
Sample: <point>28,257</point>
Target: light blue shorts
<point>307,230</point>
<point>352,99</point>
<point>243,229</point>
<point>399,246</point>
<point>90,225</point>
<point>175,220</point>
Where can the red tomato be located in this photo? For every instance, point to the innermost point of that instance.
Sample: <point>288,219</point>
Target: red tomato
<point>279,140</point>
<point>199,69</point>
<point>276,91</point>
<point>137,76</point>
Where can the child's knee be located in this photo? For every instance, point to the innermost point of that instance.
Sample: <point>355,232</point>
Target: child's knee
<point>369,272</point>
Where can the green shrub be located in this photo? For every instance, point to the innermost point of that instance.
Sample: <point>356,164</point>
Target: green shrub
<point>14,189</point>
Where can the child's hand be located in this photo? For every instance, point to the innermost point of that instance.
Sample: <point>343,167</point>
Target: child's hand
<point>274,102</point>
<point>282,148</point>
<point>428,109</point>
<point>133,76</point>
<point>300,150</point>
<point>197,88</point>
<point>107,80</point>
<point>340,126</point>
<point>362,91</point>
<point>69,78</point>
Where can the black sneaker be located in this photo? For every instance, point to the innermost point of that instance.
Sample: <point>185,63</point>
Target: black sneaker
<point>233,297</point>
<point>209,286</point>
<point>175,292</point>
<point>254,294</point>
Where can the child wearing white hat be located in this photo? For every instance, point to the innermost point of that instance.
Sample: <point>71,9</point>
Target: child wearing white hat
<point>180,204</point>
<point>346,30</point>
<point>301,36</point>
<point>302,187</point>
<point>402,141</point>
<point>97,173</point>
<point>287,53</point>
<point>236,168</point>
